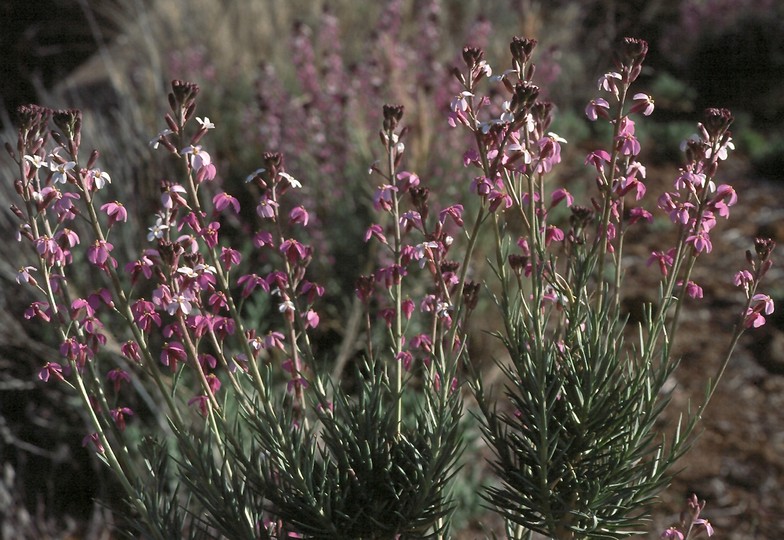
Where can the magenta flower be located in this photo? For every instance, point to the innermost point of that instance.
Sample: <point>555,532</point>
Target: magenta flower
<point>642,103</point>
<point>130,350</point>
<point>598,159</point>
<point>95,440</point>
<point>266,208</point>
<point>222,200</point>
<point>118,415</point>
<point>144,315</point>
<point>665,260</point>
<point>263,238</point>
<point>561,195</point>
<point>761,303</point>
<point>23,275</point>
<point>294,251</point>
<point>375,231</point>
<point>116,212</point>
<point>98,254</point>
<point>311,319</point>
<point>627,143</point>
<point>298,214</point>
<point>173,353</point>
<point>455,212</point>
<point>743,279</point>
<point>40,310</point>
<point>230,257</point>
<point>383,198</point>
<point>700,241</point>
<point>597,108</point>
<point>407,180</point>
<point>672,534</point>
<point>250,282</point>
<point>51,369</point>
<point>406,358</point>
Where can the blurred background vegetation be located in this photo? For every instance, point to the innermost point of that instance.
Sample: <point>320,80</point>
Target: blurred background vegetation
<point>308,78</point>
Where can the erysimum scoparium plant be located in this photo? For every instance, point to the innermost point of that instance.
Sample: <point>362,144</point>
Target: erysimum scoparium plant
<point>238,430</point>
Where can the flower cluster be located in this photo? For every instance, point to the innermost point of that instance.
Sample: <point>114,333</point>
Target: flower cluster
<point>183,316</point>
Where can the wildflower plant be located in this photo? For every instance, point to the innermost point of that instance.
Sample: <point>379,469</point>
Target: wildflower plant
<point>248,435</point>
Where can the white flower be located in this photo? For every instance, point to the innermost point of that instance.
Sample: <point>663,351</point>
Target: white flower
<point>60,171</point>
<point>101,178</point>
<point>205,123</point>
<point>156,141</point>
<point>157,230</point>
<point>36,161</point>
<point>254,174</point>
<point>293,182</point>
<point>179,303</point>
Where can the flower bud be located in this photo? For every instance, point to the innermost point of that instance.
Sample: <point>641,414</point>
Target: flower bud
<point>472,56</point>
<point>392,116</point>
<point>521,49</point>
<point>717,121</point>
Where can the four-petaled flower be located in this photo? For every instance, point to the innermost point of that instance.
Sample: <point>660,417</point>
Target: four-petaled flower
<point>60,171</point>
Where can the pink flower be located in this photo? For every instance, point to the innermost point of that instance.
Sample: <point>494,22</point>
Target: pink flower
<point>262,238</point>
<point>407,307</point>
<point>98,254</point>
<point>51,369</point>
<point>692,289</point>
<point>23,275</point>
<point>375,231</point>
<point>230,257</point>
<point>609,83</point>
<point>597,108</point>
<point>598,159</point>
<point>672,534</point>
<point>700,241</point>
<point>172,353</point>
<point>311,319</point>
<point>221,201</point>
<point>95,440</point>
<point>119,414</point>
<point>638,213</point>
<point>130,350</point>
<point>116,212</point>
<point>627,143</point>
<point>197,157</point>
<point>266,208</point>
<point>298,214</point>
<point>561,195</point>
<point>743,279</point>
<point>455,212</point>
<point>642,103</point>
<point>665,260</point>
<point>250,282</point>
<point>383,198</point>
<point>294,251</point>
<point>761,303</point>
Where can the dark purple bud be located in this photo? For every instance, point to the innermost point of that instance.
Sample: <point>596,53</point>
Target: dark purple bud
<point>764,247</point>
<point>523,99</point>
<point>364,287</point>
<point>717,121</point>
<point>518,262</point>
<point>273,162</point>
<point>171,123</point>
<point>521,49</point>
<point>472,56</point>
<point>93,159</point>
<point>632,51</point>
<point>392,116</point>
<point>69,121</point>
<point>470,295</point>
<point>184,93</point>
